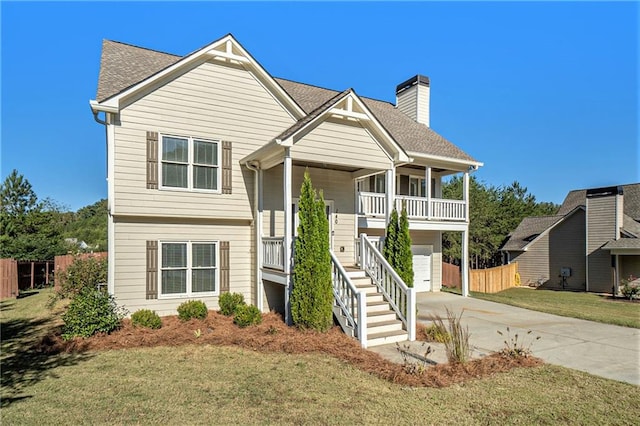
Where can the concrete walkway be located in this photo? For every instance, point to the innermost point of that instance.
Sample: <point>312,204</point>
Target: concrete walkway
<point>603,350</point>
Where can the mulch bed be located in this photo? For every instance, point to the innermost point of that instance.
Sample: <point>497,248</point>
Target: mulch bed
<point>273,335</point>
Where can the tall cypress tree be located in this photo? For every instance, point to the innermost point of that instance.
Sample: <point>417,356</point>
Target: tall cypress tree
<point>311,295</point>
<point>404,256</point>
<point>391,239</point>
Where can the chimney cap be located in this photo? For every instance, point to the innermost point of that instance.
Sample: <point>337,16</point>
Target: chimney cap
<point>604,192</point>
<point>418,79</point>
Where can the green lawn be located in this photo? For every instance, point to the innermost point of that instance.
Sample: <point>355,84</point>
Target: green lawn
<point>226,385</point>
<point>587,306</point>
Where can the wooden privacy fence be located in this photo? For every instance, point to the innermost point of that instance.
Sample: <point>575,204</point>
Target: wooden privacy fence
<point>63,262</point>
<point>8,278</point>
<point>493,280</point>
<point>451,275</point>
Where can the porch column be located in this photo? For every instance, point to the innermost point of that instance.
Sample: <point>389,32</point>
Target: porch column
<point>465,195</point>
<point>464,264</point>
<point>427,189</point>
<point>390,192</point>
<point>288,220</point>
<point>259,235</point>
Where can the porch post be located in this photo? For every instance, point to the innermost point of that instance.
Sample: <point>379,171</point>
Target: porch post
<point>288,220</point>
<point>427,189</point>
<point>464,264</point>
<point>390,192</point>
<point>465,195</point>
<point>259,235</point>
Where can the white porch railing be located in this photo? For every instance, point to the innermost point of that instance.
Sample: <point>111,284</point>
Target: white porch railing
<point>371,204</point>
<point>401,298</point>
<point>378,242</point>
<point>273,252</point>
<point>374,204</point>
<point>351,303</point>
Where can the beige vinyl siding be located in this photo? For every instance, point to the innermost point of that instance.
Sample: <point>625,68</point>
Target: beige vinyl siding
<point>601,227</point>
<point>423,104</point>
<point>407,102</point>
<point>566,249</point>
<point>337,186</point>
<point>341,143</point>
<point>533,264</point>
<point>210,101</point>
<point>130,261</point>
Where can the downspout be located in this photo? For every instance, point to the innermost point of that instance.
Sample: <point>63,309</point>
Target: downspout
<point>258,230</point>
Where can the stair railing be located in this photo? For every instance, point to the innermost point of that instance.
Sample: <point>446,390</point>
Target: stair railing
<point>401,297</point>
<point>351,302</point>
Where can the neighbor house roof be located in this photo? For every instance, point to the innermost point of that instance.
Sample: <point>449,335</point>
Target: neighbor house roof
<point>623,243</point>
<point>528,230</point>
<point>123,65</point>
<point>631,194</point>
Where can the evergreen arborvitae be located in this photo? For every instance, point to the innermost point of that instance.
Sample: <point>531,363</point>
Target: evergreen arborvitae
<point>311,295</point>
<point>391,239</point>
<point>404,257</point>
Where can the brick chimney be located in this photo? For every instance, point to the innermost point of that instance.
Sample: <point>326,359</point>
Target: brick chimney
<point>412,98</point>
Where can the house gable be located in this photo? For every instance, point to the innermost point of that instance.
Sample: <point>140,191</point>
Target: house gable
<point>226,50</point>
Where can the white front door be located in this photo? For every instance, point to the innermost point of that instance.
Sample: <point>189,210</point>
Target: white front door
<point>422,267</point>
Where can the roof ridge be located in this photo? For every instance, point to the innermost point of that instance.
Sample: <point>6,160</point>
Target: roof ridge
<point>142,48</point>
<point>333,90</point>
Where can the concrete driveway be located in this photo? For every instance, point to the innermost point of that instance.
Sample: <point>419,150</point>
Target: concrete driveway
<point>603,350</point>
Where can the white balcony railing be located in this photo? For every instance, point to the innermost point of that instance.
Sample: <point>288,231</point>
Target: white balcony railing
<point>273,252</point>
<point>374,204</point>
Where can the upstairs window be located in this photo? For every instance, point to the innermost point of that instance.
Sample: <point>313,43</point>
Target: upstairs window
<point>190,163</point>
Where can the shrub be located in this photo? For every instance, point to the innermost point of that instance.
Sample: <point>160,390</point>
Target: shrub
<point>81,274</point>
<point>630,288</point>
<point>457,346</point>
<point>192,309</point>
<point>91,311</point>
<point>514,348</point>
<point>146,318</point>
<point>247,315</point>
<point>229,302</point>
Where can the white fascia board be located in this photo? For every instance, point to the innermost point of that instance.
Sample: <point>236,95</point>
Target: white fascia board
<point>445,160</point>
<point>263,152</point>
<point>97,107</point>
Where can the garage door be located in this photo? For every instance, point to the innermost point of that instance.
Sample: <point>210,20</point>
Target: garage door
<point>422,267</point>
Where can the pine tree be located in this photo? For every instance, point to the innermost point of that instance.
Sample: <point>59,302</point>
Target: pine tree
<point>311,295</point>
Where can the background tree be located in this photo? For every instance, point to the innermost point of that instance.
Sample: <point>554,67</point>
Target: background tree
<point>494,213</point>
<point>89,224</point>
<point>312,293</point>
<point>29,230</point>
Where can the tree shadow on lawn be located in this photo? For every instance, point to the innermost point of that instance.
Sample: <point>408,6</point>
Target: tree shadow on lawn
<point>26,360</point>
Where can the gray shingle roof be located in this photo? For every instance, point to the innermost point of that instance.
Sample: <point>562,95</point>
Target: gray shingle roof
<point>529,228</point>
<point>123,65</point>
<point>630,225</point>
<point>631,193</point>
<point>412,136</point>
<point>623,243</point>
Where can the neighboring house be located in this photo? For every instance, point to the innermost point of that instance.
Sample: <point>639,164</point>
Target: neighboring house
<point>594,241</point>
<point>206,155</point>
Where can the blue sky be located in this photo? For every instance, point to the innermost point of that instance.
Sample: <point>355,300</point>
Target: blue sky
<point>543,93</point>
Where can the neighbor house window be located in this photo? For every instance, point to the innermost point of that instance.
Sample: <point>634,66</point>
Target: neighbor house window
<point>190,163</point>
<point>188,268</point>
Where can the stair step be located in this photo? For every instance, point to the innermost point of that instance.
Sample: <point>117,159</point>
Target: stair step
<point>376,339</point>
<point>377,306</point>
<point>356,274</point>
<point>361,281</point>
<point>374,297</point>
<point>384,326</point>
<point>380,316</point>
<point>367,288</point>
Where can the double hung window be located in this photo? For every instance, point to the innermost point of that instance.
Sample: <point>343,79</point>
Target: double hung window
<point>190,163</point>
<point>188,268</point>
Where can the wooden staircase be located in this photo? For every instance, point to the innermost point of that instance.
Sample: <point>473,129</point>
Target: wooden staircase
<point>383,326</point>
